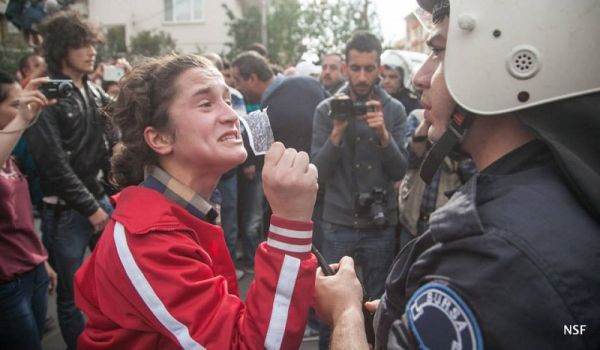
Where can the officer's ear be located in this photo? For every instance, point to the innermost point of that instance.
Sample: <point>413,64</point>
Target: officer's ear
<point>160,142</point>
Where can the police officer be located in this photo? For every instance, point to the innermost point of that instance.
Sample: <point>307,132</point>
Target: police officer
<point>396,77</point>
<point>511,261</point>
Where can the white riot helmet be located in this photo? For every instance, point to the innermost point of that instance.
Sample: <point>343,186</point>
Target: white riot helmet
<point>504,56</point>
<point>536,58</point>
<point>395,60</point>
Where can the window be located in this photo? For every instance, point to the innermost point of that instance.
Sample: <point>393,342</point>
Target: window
<point>183,10</point>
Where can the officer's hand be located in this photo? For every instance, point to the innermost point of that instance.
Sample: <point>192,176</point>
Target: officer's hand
<point>339,293</point>
<point>290,183</point>
<point>98,220</point>
<point>374,118</point>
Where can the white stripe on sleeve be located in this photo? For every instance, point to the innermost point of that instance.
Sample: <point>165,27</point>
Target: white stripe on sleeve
<point>290,233</point>
<point>152,301</point>
<point>294,248</point>
<point>281,304</point>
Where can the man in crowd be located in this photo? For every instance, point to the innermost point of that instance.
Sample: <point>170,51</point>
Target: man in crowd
<point>359,157</point>
<point>71,149</point>
<point>395,80</point>
<point>417,199</point>
<point>290,103</point>
<point>31,66</point>
<point>511,261</point>
<point>332,77</point>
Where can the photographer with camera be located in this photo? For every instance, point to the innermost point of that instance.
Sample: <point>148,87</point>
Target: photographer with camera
<point>70,148</point>
<point>356,147</point>
<point>511,260</point>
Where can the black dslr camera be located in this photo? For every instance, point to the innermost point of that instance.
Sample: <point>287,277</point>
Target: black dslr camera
<point>373,203</point>
<point>57,88</point>
<point>343,108</point>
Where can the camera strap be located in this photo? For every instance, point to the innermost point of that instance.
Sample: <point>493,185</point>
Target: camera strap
<point>352,145</point>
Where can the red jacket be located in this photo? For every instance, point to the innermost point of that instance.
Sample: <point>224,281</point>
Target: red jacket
<point>160,278</point>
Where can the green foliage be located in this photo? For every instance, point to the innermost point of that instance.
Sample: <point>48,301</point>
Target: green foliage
<point>285,34</point>
<point>244,31</point>
<point>328,26</point>
<point>295,27</point>
<point>152,43</point>
<point>114,43</point>
<point>12,48</point>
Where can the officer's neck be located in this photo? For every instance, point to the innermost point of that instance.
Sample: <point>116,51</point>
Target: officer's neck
<point>492,137</point>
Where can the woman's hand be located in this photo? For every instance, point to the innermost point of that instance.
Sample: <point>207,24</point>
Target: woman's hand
<point>290,183</point>
<point>32,100</point>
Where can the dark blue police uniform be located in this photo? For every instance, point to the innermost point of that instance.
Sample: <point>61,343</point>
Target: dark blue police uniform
<point>512,261</point>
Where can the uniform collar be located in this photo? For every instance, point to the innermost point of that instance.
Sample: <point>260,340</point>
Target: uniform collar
<point>159,180</point>
<point>527,156</point>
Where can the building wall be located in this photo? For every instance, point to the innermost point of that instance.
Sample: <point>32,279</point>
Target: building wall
<point>208,34</point>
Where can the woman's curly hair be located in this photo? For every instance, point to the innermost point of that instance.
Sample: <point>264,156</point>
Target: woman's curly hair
<point>63,31</point>
<point>145,95</point>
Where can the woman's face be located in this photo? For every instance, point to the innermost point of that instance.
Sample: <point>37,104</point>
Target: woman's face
<point>206,127</point>
<point>9,107</point>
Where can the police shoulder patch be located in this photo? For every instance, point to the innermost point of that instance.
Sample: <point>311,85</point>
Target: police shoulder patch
<point>440,319</point>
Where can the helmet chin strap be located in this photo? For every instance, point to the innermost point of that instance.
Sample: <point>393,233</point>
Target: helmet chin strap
<point>450,141</point>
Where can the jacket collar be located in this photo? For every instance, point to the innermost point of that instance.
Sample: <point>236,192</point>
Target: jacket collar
<point>460,217</point>
<point>63,76</point>
<point>527,156</point>
<point>160,181</point>
<point>277,80</point>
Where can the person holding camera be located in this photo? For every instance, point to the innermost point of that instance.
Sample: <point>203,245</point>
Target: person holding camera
<point>25,276</point>
<point>511,260</point>
<point>71,149</point>
<point>357,147</point>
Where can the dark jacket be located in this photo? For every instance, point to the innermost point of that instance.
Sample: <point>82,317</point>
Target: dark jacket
<point>70,147</point>
<point>291,104</point>
<point>359,163</point>
<point>514,258</point>
<point>408,100</point>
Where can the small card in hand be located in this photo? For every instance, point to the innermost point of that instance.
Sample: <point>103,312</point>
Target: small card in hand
<point>260,134</point>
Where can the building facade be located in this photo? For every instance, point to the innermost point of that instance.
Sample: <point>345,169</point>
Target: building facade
<point>195,25</point>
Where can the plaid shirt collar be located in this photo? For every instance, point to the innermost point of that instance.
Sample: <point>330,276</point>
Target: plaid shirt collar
<point>157,179</point>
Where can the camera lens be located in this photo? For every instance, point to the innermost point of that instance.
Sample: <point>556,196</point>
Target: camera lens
<point>65,89</point>
<point>360,108</point>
